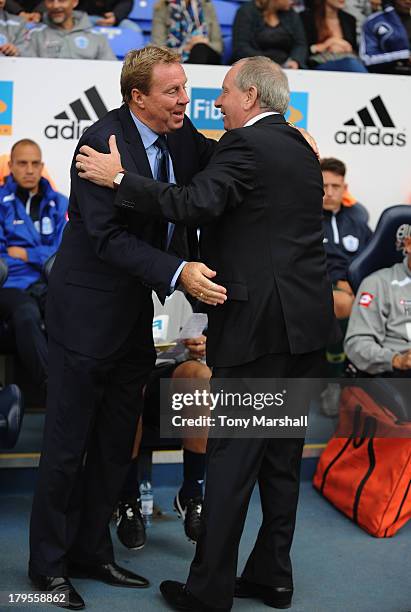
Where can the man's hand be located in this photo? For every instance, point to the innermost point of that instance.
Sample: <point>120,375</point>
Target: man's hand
<point>18,253</point>
<point>402,361</point>
<point>195,277</point>
<point>309,139</point>
<point>9,49</point>
<point>99,168</point>
<point>196,347</point>
<point>195,40</point>
<point>109,19</point>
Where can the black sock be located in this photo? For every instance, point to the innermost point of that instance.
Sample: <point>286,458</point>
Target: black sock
<point>130,492</point>
<point>194,469</point>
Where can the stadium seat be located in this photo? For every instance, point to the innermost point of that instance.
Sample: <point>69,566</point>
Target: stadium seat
<point>11,415</point>
<point>226,11</point>
<point>142,13</point>
<point>228,50</point>
<point>121,40</point>
<point>381,251</point>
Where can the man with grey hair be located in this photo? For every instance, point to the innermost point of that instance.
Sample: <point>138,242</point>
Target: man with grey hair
<point>260,202</point>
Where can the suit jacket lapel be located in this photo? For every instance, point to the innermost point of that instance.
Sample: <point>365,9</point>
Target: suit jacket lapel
<point>134,143</point>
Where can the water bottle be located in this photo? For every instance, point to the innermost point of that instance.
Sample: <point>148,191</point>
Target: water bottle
<point>146,500</point>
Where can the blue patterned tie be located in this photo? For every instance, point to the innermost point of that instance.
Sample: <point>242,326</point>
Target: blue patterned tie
<point>163,175</point>
<point>162,167</point>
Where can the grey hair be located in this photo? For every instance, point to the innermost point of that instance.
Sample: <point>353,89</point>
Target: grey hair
<point>268,78</point>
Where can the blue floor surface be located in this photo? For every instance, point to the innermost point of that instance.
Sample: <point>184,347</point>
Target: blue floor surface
<point>337,566</point>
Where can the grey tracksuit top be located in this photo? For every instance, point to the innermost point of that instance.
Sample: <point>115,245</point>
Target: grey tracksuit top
<point>48,40</point>
<point>380,322</point>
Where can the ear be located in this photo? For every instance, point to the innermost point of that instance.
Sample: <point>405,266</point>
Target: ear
<point>251,98</point>
<point>138,98</point>
<point>75,3</point>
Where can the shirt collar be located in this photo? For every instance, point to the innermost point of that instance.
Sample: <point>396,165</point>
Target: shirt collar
<point>147,135</point>
<point>258,117</point>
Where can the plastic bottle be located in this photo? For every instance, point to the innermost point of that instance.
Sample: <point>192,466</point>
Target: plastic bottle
<point>146,500</point>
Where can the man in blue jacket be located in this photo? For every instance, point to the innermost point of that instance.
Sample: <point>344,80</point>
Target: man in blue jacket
<point>32,219</point>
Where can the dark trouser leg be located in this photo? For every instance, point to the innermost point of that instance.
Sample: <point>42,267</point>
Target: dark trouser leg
<point>279,480</point>
<point>233,466</point>
<point>279,477</point>
<point>109,455</point>
<point>31,342</point>
<point>74,392</point>
<point>130,491</point>
<point>92,406</point>
<point>232,470</point>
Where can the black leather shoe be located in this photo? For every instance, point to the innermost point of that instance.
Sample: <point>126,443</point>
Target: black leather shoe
<point>177,596</point>
<point>111,573</point>
<point>64,594</point>
<point>275,597</point>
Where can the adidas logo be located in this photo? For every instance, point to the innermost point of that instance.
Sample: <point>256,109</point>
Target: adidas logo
<point>89,109</point>
<point>374,126</point>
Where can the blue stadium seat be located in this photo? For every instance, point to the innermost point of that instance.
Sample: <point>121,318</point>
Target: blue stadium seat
<point>226,11</point>
<point>381,251</point>
<point>228,50</point>
<point>121,40</point>
<point>143,13</point>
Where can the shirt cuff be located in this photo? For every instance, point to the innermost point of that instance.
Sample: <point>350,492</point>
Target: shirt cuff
<point>176,275</point>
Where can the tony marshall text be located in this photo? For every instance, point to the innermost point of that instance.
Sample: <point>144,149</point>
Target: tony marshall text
<point>245,423</point>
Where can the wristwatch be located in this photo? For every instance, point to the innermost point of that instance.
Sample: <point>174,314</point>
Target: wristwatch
<point>117,179</point>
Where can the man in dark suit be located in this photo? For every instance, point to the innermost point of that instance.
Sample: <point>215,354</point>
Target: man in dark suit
<point>99,320</point>
<point>259,202</point>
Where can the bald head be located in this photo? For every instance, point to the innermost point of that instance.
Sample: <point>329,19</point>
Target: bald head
<point>26,165</point>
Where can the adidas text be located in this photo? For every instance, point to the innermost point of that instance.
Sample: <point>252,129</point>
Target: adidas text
<point>373,137</point>
<point>69,131</point>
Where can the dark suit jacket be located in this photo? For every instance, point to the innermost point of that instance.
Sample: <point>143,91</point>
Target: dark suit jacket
<point>260,202</point>
<point>108,263</point>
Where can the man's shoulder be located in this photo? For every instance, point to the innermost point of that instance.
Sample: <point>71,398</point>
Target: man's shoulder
<point>355,214</point>
<point>381,277</point>
<point>10,20</point>
<point>103,128</point>
<point>52,195</point>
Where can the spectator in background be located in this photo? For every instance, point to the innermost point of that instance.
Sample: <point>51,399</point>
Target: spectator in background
<point>332,38</point>
<point>67,34</point>
<point>13,33</point>
<point>32,219</point>
<point>378,339</point>
<point>403,8</point>
<point>359,9</point>
<point>346,233</point>
<point>109,13</point>
<point>385,41</point>
<point>189,27</point>
<point>29,10</point>
<point>270,28</point>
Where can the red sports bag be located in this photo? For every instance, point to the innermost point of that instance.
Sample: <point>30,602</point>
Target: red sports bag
<point>366,476</point>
